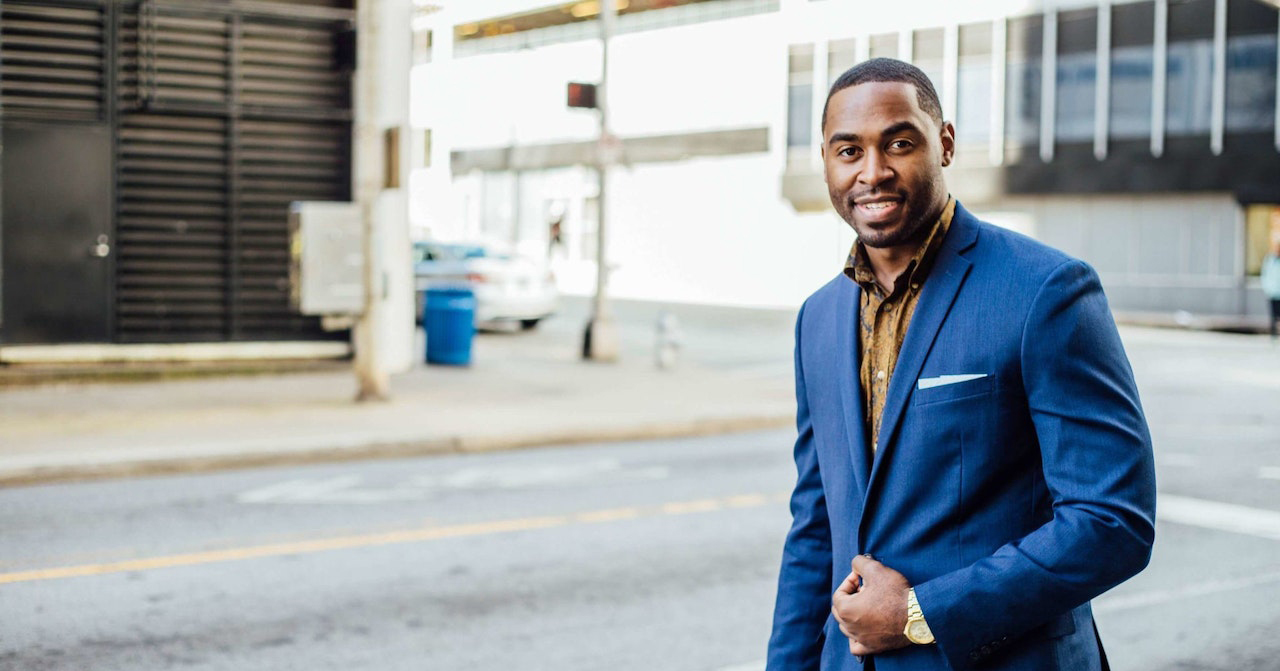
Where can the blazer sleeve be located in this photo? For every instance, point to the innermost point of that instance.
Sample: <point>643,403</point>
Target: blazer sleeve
<point>804,582</point>
<point>1098,467</point>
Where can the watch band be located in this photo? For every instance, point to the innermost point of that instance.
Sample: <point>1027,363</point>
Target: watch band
<point>917,630</point>
<point>913,606</point>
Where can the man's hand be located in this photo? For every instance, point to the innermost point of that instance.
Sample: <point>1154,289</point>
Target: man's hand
<point>871,607</point>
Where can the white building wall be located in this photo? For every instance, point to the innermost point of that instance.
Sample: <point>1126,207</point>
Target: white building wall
<point>715,231</point>
<point>708,230</point>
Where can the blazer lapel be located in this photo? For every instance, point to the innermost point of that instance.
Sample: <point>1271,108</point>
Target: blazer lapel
<point>936,297</point>
<point>847,359</point>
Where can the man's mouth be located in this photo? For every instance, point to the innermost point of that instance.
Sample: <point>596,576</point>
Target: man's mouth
<point>878,210</point>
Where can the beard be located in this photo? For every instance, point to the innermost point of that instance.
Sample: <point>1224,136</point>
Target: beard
<point>919,214</point>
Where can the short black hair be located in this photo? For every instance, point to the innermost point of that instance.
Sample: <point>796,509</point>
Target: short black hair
<point>888,70</point>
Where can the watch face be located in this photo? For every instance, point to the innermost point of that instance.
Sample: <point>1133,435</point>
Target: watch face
<point>919,632</point>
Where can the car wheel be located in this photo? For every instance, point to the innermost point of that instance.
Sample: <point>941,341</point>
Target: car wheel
<point>528,324</point>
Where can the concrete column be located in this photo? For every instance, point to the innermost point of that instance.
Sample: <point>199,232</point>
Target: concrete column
<point>383,336</point>
<point>1218,113</point>
<point>1102,92</point>
<point>821,68</point>
<point>1049,85</point>
<point>950,70</point>
<point>1160,78</point>
<point>999,73</point>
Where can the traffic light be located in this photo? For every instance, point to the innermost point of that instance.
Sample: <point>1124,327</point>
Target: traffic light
<point>582,95</point>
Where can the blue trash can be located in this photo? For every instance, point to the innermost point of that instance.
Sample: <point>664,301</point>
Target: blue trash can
<point>449,318</point>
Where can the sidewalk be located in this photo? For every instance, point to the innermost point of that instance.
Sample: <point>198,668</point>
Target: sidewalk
<point>522,390</point>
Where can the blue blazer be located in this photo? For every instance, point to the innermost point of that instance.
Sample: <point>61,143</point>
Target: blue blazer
<point>1014,478</point>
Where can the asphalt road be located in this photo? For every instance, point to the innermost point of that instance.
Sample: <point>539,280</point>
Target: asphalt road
<point>646,556</point>
<point>633,556</point>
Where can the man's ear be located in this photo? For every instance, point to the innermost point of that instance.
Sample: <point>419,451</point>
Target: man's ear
<point>948,138</point>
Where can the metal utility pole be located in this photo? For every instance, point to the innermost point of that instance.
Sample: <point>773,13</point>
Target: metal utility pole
<point>600,342</point>
<point>371,373</point>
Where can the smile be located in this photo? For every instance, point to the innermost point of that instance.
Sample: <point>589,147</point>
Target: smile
<point>879,211</point>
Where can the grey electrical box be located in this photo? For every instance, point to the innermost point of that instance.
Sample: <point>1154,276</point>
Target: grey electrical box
<point>326,265</point>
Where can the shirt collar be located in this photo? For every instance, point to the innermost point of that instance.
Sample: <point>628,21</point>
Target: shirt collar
<point>858,267</point>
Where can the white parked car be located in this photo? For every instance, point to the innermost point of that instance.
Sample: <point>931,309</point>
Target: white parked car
<point>508,288</point>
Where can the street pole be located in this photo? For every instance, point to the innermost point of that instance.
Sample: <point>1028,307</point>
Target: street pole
<point>600,342</point>
<point>371,374</point>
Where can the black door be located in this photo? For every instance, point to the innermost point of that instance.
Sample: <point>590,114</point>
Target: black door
<point>55,234</point>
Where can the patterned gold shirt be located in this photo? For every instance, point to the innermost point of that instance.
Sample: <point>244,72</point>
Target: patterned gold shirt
<point>884,316</point>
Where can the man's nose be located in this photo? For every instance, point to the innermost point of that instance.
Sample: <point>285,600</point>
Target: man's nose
<point>875,169</point>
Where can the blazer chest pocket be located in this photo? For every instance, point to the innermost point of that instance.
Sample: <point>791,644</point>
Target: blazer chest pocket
<point>951,388</point>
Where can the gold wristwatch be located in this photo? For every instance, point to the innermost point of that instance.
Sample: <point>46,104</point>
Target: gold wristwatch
<point>917,630</point>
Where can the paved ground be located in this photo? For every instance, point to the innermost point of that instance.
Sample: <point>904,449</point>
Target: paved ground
<point>527,389</point>
<point>522,389</point>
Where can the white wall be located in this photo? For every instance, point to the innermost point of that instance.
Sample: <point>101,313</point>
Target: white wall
<point>722,74</point>
<point>715,231</point>
<point>709,230</point>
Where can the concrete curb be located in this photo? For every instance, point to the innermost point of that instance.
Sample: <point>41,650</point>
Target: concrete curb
<point>458,444</point>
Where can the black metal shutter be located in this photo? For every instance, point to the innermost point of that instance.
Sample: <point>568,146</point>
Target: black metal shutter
<point>226,115</point>
<point>292,143</point>
<point>52,60</point>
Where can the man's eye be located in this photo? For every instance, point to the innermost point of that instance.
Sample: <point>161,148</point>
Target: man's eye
<point>849,151</point>
<point>900,144</point>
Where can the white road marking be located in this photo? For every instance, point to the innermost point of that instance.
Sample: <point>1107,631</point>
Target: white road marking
<point>764,371</point>
<point>1269,472</point>
<point>749,666</point>
<point>1107,604</point>
<point>1180,459</point>
<point>346,489</point>
<point>517,477</point>
<point>1218,516</point>
<point>303,491</point>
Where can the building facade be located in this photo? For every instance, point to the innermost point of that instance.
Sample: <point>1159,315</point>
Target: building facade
<point>151,149</point>
<point>1140,136</point>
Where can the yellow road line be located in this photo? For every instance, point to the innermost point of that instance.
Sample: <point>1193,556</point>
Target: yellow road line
<point>386,538</point>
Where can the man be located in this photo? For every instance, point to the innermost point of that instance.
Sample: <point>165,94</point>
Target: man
<point>974,465</point>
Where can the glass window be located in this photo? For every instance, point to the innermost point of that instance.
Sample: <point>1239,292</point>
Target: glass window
<point>973,91</point>
<point>1190,92</point>
<point>1022,86</point>
<point>884,46</point>
<point>799,102</point>
<point>497,206</point>
<point>422,47</point>
<point>928,48</point>
<point>1077,75</point>
<point>841,55</point>
<point>1251,83</point>
<point>799,115</point>
<point>1132,65</point>
<point>1262,232</point>
<point>1251,66</point>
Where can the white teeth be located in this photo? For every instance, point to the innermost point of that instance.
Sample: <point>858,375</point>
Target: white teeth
<point>877,206</point>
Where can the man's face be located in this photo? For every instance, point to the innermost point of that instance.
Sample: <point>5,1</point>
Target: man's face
<point>883,157</point>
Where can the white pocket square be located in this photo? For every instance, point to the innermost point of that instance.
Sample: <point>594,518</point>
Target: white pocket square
<point>931,382</point>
